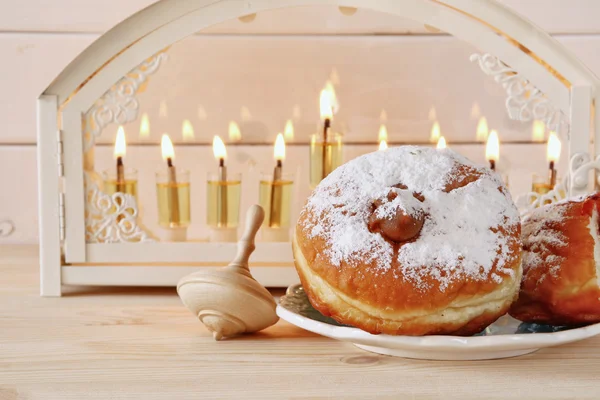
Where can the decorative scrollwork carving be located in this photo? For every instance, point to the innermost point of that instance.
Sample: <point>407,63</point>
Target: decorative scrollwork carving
<point>112,218</point>
<point>525,102</point>
<point>576,182</point>
<point>119,104</point>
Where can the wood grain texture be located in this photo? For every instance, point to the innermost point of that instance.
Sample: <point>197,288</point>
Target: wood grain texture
<point>132,343</point>
<point>556,16</point>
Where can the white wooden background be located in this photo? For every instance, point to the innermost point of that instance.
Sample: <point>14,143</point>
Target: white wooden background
<point>273,67</point>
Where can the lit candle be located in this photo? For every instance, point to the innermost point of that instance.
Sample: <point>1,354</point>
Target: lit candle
<point>436,132</point>
<point>383,137</point>
<point>276,194</point>
<point>168,154</point>
<point>326,106</point>
<point>235,134</point>
<point>553,155</point>
<point>119,153</point>
<point>441,144</point>
<point>538,131</point>
<point>145,126</point>
<point>482,130</point>
<point>220,153</point>
<point>288,132</point>
<point>492,149</point>
<point>187,130</point>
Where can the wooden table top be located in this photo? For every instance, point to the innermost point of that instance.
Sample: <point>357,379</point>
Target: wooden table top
<point>113,343</point>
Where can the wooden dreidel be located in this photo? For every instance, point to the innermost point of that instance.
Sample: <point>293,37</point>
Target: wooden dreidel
<point>228,300</point>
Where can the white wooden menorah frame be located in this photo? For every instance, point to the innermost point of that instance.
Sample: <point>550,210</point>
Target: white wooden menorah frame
<point>82,244</point>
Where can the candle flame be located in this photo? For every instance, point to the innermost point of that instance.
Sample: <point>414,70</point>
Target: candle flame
<point>482,130</point>
<point>441,144</point>
<point>145,126</point>
<point>383,145</point>
<point>219,149</point>
<point>554,147</point>
<point>436,132</point>
<point>120,143</point>
<point>383,133</point>
<point>492,149</point>
<point>279,149</point>
<point>288,132</point>
<point>187,130</point>
<point>538,131</point>
<point>235,134</point>
<point>326,104</point>
<point>167,147</point>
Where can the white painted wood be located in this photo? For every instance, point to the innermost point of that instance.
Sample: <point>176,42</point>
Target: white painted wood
<point>189,252</point>
<point>371,82</point>
<point>271,276</point>
<point>192,15</point>
<point>581,130</point>
<point>520,161</point>
<point>48,196</point>
<point>555,16</point>
<point>74,191</point>
<point>29,62</point>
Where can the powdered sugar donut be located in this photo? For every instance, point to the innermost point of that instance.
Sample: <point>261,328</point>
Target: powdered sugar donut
<point>412,241</point>
<point>561,264</point>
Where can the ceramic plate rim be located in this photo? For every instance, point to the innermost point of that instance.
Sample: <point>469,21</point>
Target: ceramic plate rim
<point>516,341</point>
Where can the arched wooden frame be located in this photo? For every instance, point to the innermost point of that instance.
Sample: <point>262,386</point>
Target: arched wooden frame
<point>485,24</point>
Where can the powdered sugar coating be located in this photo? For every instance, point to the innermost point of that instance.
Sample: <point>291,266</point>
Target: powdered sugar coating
<point>541,235</point>
<point>458,238</point>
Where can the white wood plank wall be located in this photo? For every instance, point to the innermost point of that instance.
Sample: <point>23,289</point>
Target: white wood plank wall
<point>274,67</point>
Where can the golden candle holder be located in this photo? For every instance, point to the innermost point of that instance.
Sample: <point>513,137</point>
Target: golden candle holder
<point>223,195</point>
<point>173,195</point>
<point>127,183</point>
<point>275,197</point>
<point>326,154</point>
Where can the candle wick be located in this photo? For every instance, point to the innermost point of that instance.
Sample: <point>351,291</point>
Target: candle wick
<point>279,164</point>
<point>169,162</point>
<point>493,165</point>
<point>221,162</point>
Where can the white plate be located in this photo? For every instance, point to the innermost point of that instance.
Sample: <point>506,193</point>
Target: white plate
<point>507,337</point>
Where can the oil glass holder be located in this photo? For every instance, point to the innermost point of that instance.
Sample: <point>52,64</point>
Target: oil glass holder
<point>275,197</point>
<point>128,186</point>
<point>223,206</point>
<point>324,156</point>
<point>173,197</point>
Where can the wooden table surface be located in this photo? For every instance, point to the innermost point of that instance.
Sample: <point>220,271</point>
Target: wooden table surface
<point>113,343</point>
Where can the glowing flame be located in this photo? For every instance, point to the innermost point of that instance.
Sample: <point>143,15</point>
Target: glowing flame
<point>235,134</point>
<point>120,144</point>
<point>219,148</point>
<point>538,131</point>
<point>279,149</point>
<point>326,104</point>
<point>441,144</point>
<point>145,126</point>
<point>482,130</point>
<point>383,133</point>
<point>436,132</point>
<point>187,130</point>
<point>288,132</point>
<point>554,146</point>
<point>492,149</point>
<point>383,145</point>
<point>167,147</point>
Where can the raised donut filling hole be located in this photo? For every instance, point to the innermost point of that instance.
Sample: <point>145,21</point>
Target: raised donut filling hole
<point>390,219</point>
